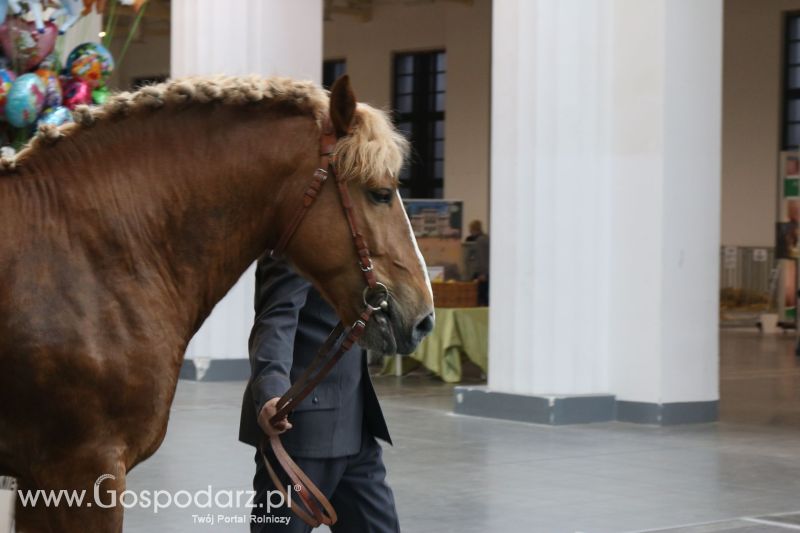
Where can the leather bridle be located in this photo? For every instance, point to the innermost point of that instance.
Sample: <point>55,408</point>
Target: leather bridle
<point>316,509</point>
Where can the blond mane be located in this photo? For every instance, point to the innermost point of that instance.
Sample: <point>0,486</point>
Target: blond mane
<point>373,150</point>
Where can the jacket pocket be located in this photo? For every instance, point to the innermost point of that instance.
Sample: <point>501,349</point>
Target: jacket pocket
<point>324,396</point>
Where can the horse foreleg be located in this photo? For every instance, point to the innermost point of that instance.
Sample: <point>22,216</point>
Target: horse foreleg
<point>75,495</point>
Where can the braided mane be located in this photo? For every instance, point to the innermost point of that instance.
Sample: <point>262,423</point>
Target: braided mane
<point>373,149</point>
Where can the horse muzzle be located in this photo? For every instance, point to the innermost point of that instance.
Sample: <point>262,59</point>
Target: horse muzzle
<point>389,332</point>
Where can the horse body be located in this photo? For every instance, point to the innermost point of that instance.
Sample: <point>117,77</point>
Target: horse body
<point>117,241</point>
<point>97,305</point>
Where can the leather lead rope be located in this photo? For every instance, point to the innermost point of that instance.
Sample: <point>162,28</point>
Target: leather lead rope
<point>315,508</point>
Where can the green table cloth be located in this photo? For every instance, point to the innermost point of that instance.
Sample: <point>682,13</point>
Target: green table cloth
<point>458,331</point>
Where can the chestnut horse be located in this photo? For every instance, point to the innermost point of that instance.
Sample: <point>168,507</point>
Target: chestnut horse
<point>119,234</point>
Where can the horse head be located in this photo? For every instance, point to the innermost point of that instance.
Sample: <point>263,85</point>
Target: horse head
<point>366,158</point>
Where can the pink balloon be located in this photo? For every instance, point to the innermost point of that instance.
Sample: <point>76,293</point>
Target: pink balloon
<point>24,45</point>
<point>77,92</point>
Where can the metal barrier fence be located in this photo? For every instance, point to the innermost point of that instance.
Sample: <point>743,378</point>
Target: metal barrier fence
<point>747,268</point>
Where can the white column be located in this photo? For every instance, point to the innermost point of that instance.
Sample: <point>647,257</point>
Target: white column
<point>665,225</point>
<point>240,37</point>
<point>550,197</point>
<point>267,37</point>
<point>692,201</point>
<point>605,198</point>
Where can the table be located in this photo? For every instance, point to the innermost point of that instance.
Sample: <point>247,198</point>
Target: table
<point>458,331</point>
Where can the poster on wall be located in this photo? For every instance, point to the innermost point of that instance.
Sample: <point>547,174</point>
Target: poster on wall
<point>787,250</point>
<point>437,225</point>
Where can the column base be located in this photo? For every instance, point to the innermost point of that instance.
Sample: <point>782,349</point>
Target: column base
<point>668,414</point>
<point>553,410</point>
<point>557,410</point>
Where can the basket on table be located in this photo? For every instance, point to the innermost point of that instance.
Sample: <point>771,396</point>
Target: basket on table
<point>455,294</point>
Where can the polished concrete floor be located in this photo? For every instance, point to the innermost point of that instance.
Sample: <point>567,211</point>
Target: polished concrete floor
<point>460,474</point>
<point>759,378</point>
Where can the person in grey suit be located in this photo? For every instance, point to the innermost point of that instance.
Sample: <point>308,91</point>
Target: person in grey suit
<point>332,433</point>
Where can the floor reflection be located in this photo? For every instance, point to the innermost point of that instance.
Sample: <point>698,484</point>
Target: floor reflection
<point>759,378</point>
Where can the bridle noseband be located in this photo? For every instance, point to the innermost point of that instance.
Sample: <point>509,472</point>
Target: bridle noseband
<point>317,509</point>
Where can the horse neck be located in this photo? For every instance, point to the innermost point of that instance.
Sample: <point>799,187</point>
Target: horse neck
<point>188,199</point>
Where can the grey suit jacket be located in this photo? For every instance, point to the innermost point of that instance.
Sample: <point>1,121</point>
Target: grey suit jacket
<point>292,322</point>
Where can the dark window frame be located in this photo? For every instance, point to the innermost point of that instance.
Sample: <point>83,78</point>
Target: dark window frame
<point>790,94</point>
<point>423,122</point>
<point>331,70</point>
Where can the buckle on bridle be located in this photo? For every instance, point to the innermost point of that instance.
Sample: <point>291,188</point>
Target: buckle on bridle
<point>382,292</point>
<point>369,268</point>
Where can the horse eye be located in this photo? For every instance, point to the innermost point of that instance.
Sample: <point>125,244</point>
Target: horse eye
<point>381,196</point>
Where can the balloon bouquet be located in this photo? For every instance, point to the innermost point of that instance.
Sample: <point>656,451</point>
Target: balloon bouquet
<point>35,88</point>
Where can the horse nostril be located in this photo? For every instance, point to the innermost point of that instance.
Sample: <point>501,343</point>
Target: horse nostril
<point>424,326</point>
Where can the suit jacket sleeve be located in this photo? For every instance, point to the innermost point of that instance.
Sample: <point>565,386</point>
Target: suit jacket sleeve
<point>280,295</point>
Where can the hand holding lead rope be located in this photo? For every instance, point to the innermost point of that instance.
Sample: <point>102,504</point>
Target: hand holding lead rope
<point>267,412</point>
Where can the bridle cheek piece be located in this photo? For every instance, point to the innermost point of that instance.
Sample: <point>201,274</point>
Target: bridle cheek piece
<point>316,509</point>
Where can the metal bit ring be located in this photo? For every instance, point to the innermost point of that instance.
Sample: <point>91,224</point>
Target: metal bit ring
<point>380,290</point>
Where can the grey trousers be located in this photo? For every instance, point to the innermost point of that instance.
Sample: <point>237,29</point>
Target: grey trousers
<point>355,485</point>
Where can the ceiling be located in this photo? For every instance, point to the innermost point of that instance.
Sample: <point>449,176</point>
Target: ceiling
<point>156,18</point>
<point>363,9</point>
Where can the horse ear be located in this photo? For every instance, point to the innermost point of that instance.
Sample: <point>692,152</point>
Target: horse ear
<point>342,106</point>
